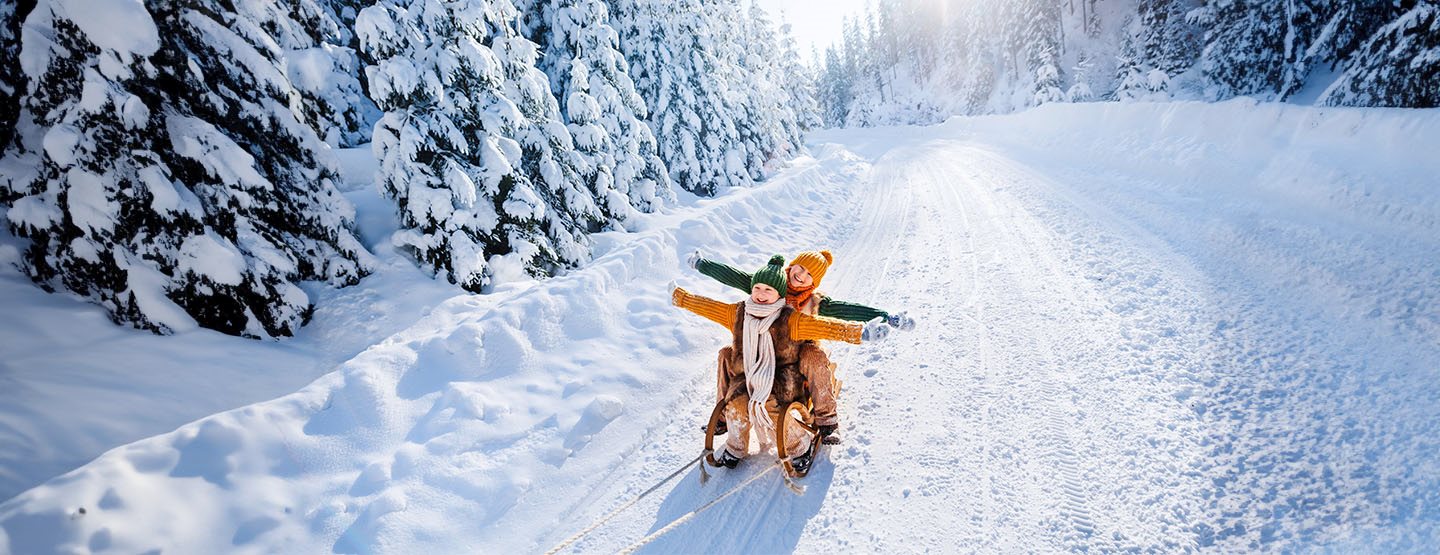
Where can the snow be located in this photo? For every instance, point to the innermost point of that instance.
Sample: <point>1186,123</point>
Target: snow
<point>224,160</point>
<point>60,143</point>
<point>212,257</point>
<point>148,286</point>
<point>90,208</point>
<point>310,68</point>
<point>121,26</point>
<point>165,198</point>
<point>1142,326</point>
<point>73,384</point>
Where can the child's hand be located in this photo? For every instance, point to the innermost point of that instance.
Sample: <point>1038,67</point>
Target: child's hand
<point>875,330</point>
<point>900,320</point>
<point>693,260</point>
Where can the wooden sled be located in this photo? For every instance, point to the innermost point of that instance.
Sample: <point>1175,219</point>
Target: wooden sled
<point>805,420</point>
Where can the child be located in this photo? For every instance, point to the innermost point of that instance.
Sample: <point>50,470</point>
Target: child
<point>765,350</point>
<point>803,277</point>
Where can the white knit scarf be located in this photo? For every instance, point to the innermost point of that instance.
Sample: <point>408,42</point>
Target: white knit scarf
<point>759,357</point>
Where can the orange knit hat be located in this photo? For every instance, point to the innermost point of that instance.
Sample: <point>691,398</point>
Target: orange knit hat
<point>815,262</point>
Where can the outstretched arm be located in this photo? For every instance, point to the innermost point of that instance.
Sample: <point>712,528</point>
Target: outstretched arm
<point>710,309</point>
<point>724,273</point>
<point>804,326</point>
<point>854,312</point>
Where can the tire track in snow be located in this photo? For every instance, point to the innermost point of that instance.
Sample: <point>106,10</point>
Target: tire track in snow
<point>1069,485</point>
<point>1142,448</point>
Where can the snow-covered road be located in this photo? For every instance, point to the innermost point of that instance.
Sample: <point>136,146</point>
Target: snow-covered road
<point>1089,378</point>
<point>1142,327</point>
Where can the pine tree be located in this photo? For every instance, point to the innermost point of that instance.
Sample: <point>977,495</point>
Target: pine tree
<point>1327,33</point>
<point>974,58</point>
<point>605,115</point>
<point>680,70</point>
<point>171,182</point>
<point>771,131</point>
<point>865,79</point>
<point>1131,83</point>
<point>800,84</point>
<point>1162,38</point>
<point>324,66</point>
<point>1244,48</point>
<point>835,90</point>
<point>469,146</point>
<point>1041,43</point>
<point>1351,25</point>
<point>549,160</point>
<point>1398,66</point>
<point>12,80</point>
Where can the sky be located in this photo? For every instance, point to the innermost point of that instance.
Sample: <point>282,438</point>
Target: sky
<point>817,23</point>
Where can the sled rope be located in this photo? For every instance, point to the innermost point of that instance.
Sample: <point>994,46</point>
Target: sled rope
<point>692,514</point>
<point>617,510</point>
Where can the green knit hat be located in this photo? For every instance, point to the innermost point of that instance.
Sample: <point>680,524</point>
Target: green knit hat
<point>773,274</point>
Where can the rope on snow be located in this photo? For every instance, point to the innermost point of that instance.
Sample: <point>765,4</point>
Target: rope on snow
<point>617,510</point>
<point>692,514</point>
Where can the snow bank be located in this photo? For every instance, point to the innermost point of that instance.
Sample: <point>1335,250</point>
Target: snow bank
<point>73,385</point>
<point>448,436</point>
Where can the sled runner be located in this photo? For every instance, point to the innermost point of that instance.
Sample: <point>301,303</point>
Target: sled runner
<point>802,417</point>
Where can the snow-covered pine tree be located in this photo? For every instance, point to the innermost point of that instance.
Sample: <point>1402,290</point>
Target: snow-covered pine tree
<point>471,168</point>
<point>770,130</point>
<point>1303,21</point>
<point>1130,80</point>
<point>549,157</point>
<point>1351,24</point>
<point>323,65</point>
<point>1398,66</point>
<point>1040,37</point>
<point>865,78</point>
<point>604,114</point>
<point>677,66</point>
<point>168,178</point>
<point>1327,33</point>
<point>1244,50</point>
<point>1159,44</point>
<point>923,24</point>
<point>835,95</point>
<point>800,83</point>
<point>12,80</point>
<point>972,58</point>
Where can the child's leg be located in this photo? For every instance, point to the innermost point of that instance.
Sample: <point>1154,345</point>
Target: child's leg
<point>821,374</point>
<point>737,418</point>
<point>724,367</point>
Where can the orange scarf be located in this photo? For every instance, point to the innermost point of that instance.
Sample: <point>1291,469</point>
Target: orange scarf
<point>799,299</point>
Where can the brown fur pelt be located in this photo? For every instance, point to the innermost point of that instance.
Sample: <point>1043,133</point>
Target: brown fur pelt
<point>789,384</point>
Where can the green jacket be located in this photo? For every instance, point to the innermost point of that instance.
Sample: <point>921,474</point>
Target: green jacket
<point>828,307</point>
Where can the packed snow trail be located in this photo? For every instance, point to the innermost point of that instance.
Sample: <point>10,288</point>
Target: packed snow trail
<point>971,432</point>
<point>1084,383</point>
<point>1142,327</point>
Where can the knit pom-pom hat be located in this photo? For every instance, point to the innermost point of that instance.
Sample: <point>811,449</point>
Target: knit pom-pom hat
<point>815,262</point>
<point>773,274</point>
